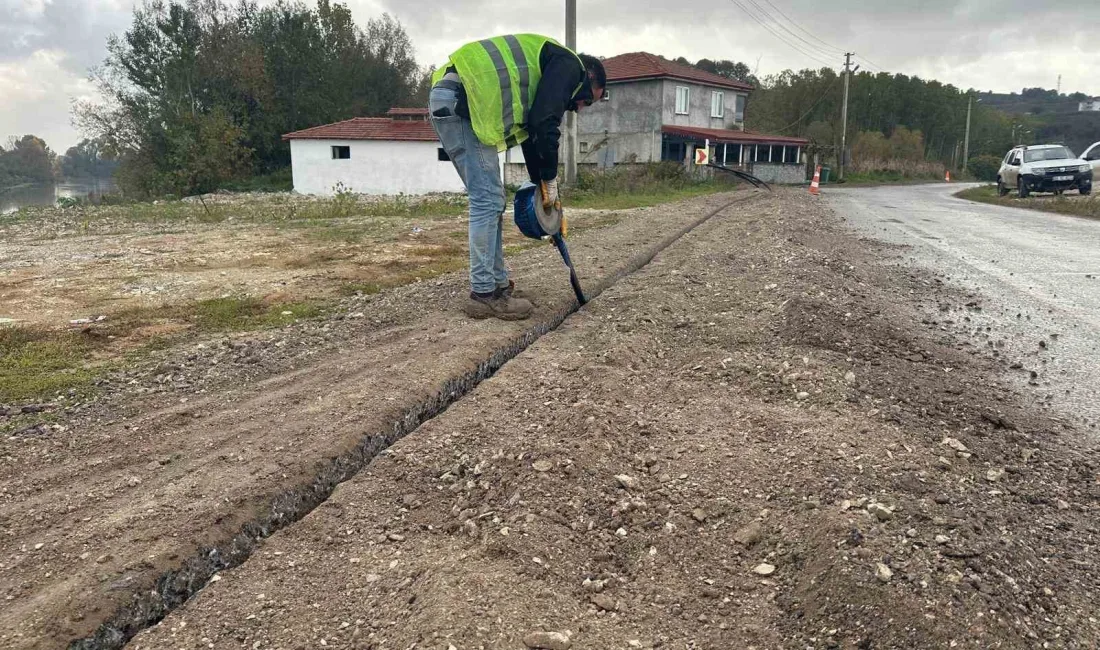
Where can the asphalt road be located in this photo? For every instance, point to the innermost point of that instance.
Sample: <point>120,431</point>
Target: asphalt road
<point>1035,276</point>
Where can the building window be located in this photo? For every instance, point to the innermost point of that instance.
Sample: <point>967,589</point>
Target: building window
<point>683,99</point>
<point>341,153</point>
<point>733,154</point>
<point>442,153</point>
<point>584,147</point>
<point>717,104</point>
<point>606,95</point>
<point>762,152</point>
<point>790,155</point>
<point>739,109</point>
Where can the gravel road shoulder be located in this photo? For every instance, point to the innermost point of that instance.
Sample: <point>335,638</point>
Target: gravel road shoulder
<point>754,442</point>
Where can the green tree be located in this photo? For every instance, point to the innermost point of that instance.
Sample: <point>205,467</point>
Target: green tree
<point>199,92</point>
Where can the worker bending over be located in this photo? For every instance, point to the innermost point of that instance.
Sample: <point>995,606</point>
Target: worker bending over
<point>490,96</point>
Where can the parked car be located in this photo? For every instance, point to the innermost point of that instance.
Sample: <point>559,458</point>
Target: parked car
<point>1092,157</point>
<point>1043,168</point>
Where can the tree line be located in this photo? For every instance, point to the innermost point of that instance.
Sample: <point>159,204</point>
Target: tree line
<point>930,115</point>
<point>30,160</point>
<point>200,92</point>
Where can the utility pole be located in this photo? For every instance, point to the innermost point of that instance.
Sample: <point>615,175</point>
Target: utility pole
<point>844,118</point>
<point>570,116</point>
<point>966,142</point>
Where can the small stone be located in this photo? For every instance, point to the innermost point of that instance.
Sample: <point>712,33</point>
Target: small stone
<point>1062,504</point>
<point>548,641</point>
<point>699,515</point>
<point>803,395</point>
<point>627,482</point>
<point>102,559</point>
<point>621,532</point>
<point>883,572</point>
<point>749,535</point>
<point>153,465</point>
<point>605,602</point>
<point>850,377</point>
<point>38,546</point>
<point>943,463</point>
<point>764,569</point>
<point>880,512</point>
<point>942,539</point>
<point>373,577</point>
<point>955,444</point>
<point>133,481</point>
<point>542,465</point>
<point>395,537</point>
<point>994,474</point>
<point>1047,591</point>
<point>912,532</point>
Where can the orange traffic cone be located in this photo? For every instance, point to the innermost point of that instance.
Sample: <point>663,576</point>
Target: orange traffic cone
<point>947,176</point>
<point>815,184</point>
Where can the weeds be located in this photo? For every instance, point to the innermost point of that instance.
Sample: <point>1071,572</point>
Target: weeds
<point>1081,206</point>
<point>636,186</point>
<point>37,363</point>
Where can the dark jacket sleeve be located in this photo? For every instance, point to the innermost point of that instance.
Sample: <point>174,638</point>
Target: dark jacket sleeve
<point>561,72</point>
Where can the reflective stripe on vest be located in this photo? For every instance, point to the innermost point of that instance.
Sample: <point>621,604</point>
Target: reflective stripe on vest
<point>500,75</point>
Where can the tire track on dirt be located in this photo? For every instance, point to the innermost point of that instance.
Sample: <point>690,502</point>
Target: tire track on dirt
<point>176,586</point>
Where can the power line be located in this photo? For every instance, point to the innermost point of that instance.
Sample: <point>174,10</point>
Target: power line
<point>836,49</point>
<point>783,27</point>
<point>871,63</point>
<point>820,42</point>
<point>785,41</point>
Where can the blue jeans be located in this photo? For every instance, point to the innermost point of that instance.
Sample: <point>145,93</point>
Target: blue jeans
<point>478,166</point>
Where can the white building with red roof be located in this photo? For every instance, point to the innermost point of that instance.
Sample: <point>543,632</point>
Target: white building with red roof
<point>397,154</point>
<point>656,109</point>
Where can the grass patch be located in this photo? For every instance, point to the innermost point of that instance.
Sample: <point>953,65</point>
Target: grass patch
<point>280,180</point>
<point>359,289</point>
<point>35,364</point>
<point>245,314</point>
<point>1081,206</point>
<point>638,186</point>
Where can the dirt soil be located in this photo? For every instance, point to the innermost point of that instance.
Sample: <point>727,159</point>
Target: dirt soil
<point>760,440</point>
<point>176,454</point>
<point>65,265</point>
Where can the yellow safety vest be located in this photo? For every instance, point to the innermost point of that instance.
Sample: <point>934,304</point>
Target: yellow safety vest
<point>500,75</point>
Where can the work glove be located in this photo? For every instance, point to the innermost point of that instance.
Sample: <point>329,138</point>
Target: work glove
<point>550,197</point>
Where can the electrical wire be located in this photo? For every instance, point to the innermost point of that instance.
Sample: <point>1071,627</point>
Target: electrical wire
<point>788,30</point>
<point>794,46</point>
<point>836,49</point>
<point>808,49</point>
<point>871,63</point>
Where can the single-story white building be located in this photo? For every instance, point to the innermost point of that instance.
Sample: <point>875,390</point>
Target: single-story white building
<point>398,154</point>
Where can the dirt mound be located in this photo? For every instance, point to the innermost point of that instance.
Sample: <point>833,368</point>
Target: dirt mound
<point>752,443</point>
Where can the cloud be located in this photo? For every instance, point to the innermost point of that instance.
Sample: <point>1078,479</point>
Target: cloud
<point>47,46</point>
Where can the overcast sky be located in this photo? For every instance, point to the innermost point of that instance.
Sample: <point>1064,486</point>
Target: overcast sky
<point>47,46</point>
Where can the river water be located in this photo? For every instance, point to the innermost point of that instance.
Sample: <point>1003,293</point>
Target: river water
<point>48,194</point>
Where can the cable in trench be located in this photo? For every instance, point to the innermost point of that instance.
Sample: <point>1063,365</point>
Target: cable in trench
<point>173,588</point>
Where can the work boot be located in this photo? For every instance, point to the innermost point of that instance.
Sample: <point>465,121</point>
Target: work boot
<point>511,291</point>
<point>497,305</point>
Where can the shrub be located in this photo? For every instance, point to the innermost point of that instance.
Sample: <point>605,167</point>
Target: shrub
<point>984,168</point>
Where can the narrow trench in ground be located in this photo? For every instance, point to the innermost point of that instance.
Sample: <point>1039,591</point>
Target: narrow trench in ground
<point>175,587</point>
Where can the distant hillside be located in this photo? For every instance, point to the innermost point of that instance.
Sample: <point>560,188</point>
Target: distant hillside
<point>1048,116</point>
